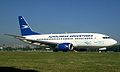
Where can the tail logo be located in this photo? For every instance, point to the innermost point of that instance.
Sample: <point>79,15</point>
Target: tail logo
<point>25,26</point>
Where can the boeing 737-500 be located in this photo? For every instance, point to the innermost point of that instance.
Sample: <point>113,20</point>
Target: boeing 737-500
<point>63,42</point>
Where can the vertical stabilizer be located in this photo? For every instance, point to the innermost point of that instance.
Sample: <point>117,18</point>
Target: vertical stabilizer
<point>25,28</point>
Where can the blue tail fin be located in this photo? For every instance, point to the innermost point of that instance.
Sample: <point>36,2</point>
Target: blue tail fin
<point>25,28</point>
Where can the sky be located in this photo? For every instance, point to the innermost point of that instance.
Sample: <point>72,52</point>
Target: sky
<point>58,16</point>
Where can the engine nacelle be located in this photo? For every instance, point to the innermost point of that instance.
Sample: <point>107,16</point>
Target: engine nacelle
<point>65,47</point>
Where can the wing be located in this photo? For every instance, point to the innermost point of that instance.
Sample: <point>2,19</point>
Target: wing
<point>35,42</point>
<point>41,43</point>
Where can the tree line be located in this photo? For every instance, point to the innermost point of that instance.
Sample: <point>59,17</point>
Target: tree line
<point>115,48</point>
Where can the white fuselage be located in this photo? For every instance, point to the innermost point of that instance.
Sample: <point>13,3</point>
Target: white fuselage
<point>77,39</point>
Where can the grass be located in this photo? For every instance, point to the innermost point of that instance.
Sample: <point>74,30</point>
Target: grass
<point>62,62</point>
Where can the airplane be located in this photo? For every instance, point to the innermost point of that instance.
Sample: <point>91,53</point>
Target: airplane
<point>64,41</point>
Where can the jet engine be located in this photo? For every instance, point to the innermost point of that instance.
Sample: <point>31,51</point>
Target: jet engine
<point>64,47</point>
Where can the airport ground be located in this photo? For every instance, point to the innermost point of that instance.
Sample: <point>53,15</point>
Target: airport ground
<point>60,61</point>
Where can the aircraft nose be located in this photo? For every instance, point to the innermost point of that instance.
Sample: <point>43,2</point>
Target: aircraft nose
<point>114,42</point>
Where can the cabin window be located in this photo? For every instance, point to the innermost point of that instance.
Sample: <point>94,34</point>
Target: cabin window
<point>106,37</point>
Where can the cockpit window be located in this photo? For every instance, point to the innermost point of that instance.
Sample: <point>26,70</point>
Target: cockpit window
<point>106,37</point>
